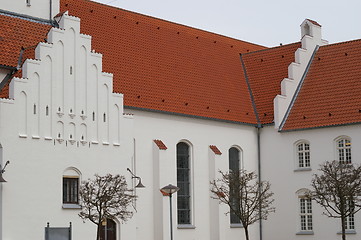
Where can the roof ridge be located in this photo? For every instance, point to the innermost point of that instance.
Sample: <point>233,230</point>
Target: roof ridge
<point>271,48</point>
<point>341,43</point>
<point>175,23</point>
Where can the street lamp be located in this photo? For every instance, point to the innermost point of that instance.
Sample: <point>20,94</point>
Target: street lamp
<point>140,184</point>
<point>168,191</point>
<point>2,170</point>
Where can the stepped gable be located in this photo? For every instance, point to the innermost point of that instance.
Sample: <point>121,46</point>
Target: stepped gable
<point>265,70</point>
<point>168,67</point>
<point>330,94</point>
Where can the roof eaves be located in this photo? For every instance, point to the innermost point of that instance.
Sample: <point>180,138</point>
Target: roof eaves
<point>26,17</point>
<point>320,127</point>
<point>190,116</point>
<point>270,49</point>
<point>298,89</point>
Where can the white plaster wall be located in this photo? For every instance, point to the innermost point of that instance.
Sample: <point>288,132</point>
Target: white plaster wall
<point>46,128</point>
<point>278,165</point>
<point>36,8</point>
<point>207,217</point>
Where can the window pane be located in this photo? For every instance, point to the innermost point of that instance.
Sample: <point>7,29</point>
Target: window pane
<point>183,182</point>
<point>70,190</point>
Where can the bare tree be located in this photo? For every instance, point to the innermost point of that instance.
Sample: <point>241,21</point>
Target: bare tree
<point>249,199</point>
<point>105,197</point>
<point>338,190</point>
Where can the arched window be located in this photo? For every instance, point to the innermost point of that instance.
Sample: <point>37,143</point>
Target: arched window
<point>184,183</point>
<point>303,154</point>
<point>234,166</point>
<point>108,231</point>
<point>343,147</point>
<point>305,210</point>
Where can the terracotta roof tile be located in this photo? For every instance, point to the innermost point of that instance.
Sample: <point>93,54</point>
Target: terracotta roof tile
<point>16,33</point>
<point>266,69</point>
<point>169,67</point>
<point>215,149</point>
<point>330,94</point>
<point>160,144</point>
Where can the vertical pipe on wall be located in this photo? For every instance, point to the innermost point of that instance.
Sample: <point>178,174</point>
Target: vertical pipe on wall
<point>259,172</point>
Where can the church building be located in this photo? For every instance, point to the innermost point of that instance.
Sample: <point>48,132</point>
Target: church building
<point>89,89</point>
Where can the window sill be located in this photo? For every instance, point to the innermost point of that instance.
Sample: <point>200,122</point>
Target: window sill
<point>305,169</point>
<point>186,226</point>
<point>236,225</point>
<point>71,206</point>
<point>305,233</point>
<point>351,231</point>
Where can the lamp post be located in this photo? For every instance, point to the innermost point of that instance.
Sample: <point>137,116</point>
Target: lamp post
<point>168,191</point>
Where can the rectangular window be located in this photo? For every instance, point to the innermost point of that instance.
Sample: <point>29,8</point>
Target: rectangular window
<point>28,3</point>
<point>306,214</point>
<point>350,220</point>
<point>70,190</point>
<point>303,150</point>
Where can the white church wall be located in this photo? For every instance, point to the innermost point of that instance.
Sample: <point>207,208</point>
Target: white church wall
<point>279,166</point>
<point>34,8</point>
<point>48,127</point>
<point>199,134</point>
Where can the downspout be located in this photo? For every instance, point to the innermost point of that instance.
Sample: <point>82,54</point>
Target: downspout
<point>258,129</point>
<point>51,11</point>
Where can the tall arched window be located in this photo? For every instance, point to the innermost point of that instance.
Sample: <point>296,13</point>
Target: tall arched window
<point>303,154</point>
<point>343,146</point>
<point>184,183</point>
<point>234,166</point>
<point>305,211</point>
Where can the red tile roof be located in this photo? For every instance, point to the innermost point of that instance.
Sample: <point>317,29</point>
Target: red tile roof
<point>168,67</point>
<point>330,94</point>
<point>16,33</point>
<point>160,144</point>
<point>215,149</point>
<point>265,70</point>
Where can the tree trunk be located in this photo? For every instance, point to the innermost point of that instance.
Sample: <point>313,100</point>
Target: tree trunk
<point>246,233</point>
<point>343,227</point>
<point>98,230</point>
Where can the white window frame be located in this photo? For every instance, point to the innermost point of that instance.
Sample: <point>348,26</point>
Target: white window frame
<point>305,212</point>
<point>306,220</point>
<point>302,157</point>
<point>343,147</point>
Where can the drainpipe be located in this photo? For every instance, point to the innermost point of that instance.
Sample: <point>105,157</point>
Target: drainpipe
<point>51,11</point>
<point>258,127</point>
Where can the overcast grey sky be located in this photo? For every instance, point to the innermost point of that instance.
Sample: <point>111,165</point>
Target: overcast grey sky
<point>265,22</point>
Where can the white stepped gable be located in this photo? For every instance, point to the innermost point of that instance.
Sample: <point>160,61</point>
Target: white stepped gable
<point>311,37</point>
<point>64,95</point>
